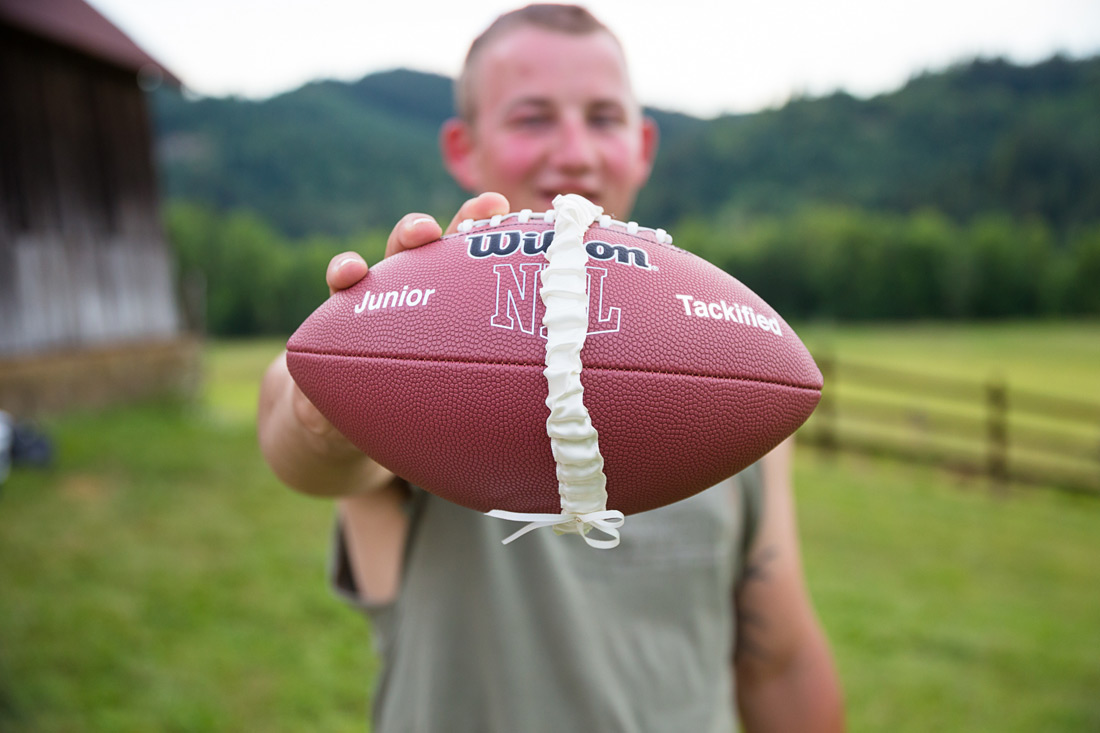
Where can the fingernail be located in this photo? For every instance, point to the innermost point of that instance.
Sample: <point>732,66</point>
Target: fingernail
<point>345,260</point>
<point>417,222</point>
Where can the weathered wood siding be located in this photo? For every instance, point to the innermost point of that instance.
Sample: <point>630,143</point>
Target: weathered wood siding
<point>83,258</point>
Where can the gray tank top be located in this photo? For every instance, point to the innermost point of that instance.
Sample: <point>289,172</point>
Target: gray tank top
<point>548,634</point>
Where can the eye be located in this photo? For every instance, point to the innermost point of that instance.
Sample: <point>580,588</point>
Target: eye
<point>532,120</point>
<point>606,117</point>
<point>531,117</point>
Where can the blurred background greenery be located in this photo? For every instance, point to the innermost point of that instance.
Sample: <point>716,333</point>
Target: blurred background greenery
<point>971,193</point>
<point>158,578</point>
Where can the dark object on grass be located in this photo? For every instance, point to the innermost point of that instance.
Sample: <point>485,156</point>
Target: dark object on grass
<point>31,447</point>
<point>5,445</point>
<point>22,444</point>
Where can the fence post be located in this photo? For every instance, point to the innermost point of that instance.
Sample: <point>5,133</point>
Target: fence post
<point>997,430</point>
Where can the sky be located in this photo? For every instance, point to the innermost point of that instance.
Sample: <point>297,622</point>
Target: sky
<point>702,57</point>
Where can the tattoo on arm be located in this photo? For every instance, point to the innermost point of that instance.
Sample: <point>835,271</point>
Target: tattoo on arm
<point>751,623</point>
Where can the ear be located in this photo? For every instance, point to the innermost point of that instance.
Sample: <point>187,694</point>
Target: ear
<point>456,143</point>
<point>650,138</point>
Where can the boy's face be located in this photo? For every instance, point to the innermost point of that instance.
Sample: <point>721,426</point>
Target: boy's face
<point>553,113</point>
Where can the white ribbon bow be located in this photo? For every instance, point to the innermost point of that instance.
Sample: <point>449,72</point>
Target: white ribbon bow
<point>607,521</point>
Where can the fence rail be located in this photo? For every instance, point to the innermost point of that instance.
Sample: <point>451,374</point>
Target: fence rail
<point>981,427</point>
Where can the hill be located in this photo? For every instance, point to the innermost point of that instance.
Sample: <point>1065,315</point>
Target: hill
<point>985,136</point>
<point>329,157</point>
<point>981,137</point>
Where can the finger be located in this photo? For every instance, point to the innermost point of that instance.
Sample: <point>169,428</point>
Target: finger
<point>412,231</point>
<point>484,206</point>
<point>326,437</point>
<point>308,415</point>
<point>344,270</point>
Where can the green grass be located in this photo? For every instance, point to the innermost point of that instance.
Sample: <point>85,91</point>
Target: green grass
<point>158,578</point>
<point>949,607</point>
<point>952,607</point>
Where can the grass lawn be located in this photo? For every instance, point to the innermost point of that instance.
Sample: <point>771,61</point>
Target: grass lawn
<point>950,608</point>
<point>159,579</point>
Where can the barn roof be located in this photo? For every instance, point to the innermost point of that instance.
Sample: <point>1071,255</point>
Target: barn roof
<point>78,26</point>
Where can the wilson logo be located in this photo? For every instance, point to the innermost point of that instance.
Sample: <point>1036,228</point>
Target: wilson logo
<point>519,307</point>
<point>533,244</point>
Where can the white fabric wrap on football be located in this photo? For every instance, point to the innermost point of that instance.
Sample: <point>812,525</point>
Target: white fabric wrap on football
<point>573,440</point>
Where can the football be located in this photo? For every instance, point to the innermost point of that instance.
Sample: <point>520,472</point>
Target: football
<point>436,366</point>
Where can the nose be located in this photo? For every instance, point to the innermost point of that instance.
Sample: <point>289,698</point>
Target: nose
<point>575,150</point>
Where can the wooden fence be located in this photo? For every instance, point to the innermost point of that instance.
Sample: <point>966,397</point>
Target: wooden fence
<point>975,427</point>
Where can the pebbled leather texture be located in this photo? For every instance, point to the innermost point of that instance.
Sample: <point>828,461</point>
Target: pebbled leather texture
<point>448,391</point>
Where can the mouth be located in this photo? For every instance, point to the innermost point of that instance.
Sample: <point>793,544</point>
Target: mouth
<point>548,195</point>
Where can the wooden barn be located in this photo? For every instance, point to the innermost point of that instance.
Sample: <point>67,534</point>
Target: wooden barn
<point>89,313</point>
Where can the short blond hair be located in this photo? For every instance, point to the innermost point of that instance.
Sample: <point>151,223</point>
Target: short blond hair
<point>568,19</point>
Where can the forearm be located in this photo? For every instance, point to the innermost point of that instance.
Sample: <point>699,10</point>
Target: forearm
<point>310,458</point>
<point>800,694</point>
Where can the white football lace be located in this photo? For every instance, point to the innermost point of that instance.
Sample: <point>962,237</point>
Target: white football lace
<point>527,215</point>
<point>573,440</point>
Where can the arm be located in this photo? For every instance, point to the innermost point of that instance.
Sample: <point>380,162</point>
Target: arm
<point>301,446</point>
<point>303,449</point>
<point>309,455</point>
<point>785,675</point>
